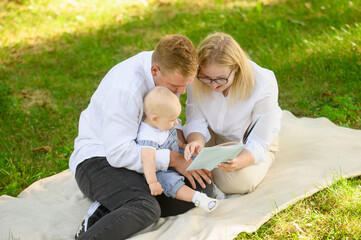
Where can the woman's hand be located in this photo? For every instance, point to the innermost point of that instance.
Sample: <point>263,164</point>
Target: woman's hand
<point>229,166</point>
<point>244,159</point>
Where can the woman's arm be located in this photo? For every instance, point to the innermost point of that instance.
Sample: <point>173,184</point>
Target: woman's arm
<point>196,121</point>
<point>181,140</point>
<point>244,159</point>
<point>196,137</point>
<point>269,124</point>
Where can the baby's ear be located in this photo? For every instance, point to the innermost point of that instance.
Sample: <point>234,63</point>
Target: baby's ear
<point>155,118</point>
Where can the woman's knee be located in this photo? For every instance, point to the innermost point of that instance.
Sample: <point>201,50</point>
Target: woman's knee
<point>236,182</point>
<point>246,185</point>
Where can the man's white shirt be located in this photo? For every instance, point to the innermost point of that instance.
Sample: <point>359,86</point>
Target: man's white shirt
<point>109,125</point>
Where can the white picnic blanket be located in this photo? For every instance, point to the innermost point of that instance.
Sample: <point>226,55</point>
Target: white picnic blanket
<point>313,154</point>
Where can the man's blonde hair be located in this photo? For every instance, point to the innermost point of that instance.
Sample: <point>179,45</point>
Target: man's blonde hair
<point>176,53</point>
<point>160,101</point>
<point>222,49</point>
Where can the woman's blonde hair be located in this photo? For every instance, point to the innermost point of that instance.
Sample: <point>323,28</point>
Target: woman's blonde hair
<point>176,53</point>
<point>222,49</point>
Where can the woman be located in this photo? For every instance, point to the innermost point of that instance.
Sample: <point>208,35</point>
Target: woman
<point>231,92</point>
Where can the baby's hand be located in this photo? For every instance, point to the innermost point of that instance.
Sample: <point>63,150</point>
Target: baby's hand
<point>192,149</point>
<point>155,188</point>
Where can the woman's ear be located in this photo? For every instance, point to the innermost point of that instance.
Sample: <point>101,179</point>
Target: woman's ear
<point>237,70</point>
<point>154,118</point>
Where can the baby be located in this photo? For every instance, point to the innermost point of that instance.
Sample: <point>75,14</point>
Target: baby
<point>162,108</point>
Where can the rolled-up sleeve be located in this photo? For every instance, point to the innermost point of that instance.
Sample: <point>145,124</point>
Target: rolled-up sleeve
<point>162,158</point>
<point>196,122</point>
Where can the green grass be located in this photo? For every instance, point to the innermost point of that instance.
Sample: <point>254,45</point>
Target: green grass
<point>333,213</point>
<point>53,54</point>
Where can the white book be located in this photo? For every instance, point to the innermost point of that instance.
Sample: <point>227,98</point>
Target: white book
<point>210,157</point>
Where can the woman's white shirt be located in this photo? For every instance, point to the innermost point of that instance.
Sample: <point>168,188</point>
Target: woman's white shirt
<point>232,120</point>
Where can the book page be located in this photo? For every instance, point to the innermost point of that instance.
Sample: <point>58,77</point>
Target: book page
<point>210,157</point>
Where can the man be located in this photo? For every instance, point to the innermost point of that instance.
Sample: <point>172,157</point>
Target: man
<point>106,160</point>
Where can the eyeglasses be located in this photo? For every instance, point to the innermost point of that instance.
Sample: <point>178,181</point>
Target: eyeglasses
<point>219,81</point>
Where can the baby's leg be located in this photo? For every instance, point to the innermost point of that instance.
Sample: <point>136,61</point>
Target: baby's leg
<point>187,194</point>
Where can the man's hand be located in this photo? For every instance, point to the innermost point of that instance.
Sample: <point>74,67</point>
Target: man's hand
<point>192,149</point>
<point>178,162</point>
<point>155,188</point>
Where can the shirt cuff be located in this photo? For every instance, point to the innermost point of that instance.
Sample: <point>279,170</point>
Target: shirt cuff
<point>162,157</point>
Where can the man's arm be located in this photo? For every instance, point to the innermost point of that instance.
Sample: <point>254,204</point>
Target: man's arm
<point>122,115</point>
<point>178,162</point>
<point>120,126</point>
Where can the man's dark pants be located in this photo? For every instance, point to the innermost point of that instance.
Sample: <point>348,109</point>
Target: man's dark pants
<point>126,194</point>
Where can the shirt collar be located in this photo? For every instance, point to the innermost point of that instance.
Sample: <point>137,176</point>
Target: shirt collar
<point>147,69</point>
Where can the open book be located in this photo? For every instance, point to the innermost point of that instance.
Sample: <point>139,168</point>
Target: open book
<point>210,157</point>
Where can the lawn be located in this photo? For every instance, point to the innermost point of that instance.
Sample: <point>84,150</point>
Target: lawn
<point>54,53</point>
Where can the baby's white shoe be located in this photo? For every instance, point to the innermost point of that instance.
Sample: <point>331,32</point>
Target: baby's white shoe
<point>206,203</point>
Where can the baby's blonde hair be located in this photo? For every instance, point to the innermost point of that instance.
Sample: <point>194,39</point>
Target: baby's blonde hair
<point>222,49</point>
<point>160,101</point>
<point>176,53</point>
